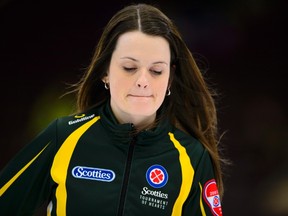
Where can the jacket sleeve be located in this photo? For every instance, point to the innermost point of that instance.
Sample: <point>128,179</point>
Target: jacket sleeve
<point>204,199</point>
<point>25,181</point>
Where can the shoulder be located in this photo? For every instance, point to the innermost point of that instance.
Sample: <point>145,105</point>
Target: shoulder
<point>190,146</point>
<point>189,142</point>
<point>74,121</point>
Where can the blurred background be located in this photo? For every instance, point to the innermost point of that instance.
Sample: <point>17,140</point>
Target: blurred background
<point>241,44</point>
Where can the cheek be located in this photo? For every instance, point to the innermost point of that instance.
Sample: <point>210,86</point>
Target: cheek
<point>163,85</point>
<point>118,86</point>
<point>161,90</point>
<point>120,83</point>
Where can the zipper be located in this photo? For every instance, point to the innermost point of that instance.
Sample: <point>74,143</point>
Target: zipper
<point>126,176</point>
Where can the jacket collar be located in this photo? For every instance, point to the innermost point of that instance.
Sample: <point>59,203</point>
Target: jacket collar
<point>126,132</point>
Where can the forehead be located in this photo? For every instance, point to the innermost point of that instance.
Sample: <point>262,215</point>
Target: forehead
<point>139,45</point>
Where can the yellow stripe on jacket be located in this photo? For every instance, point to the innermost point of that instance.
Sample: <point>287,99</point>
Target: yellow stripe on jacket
<point>61,163</point>
<point>187,176</point>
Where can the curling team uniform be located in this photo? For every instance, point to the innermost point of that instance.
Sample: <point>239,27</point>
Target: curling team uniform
<point>87,164</point>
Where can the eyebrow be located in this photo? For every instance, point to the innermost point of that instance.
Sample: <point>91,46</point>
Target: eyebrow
<point>133,59</point>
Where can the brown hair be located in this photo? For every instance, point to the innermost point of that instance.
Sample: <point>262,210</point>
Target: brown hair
<point>190,106</point>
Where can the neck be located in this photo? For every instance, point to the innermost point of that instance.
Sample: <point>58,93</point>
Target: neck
<point>140,122</point>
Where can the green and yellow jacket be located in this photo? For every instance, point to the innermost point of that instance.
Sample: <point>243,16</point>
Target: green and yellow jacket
<point>88,164</point>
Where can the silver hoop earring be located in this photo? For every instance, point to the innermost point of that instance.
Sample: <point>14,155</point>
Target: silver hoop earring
<point>106,86</point>
<point>168,92</point>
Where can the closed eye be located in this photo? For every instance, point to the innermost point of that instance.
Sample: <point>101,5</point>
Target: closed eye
<point>156,72</point>
<point>130,69</point>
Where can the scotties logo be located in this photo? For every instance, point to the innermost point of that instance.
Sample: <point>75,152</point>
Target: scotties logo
<point>157,176</point>
<point>92,173</point>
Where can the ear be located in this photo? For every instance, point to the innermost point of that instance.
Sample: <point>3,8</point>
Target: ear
<point>105,78</point>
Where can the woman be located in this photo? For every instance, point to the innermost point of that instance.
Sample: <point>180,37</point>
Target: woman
<point>143,140</point>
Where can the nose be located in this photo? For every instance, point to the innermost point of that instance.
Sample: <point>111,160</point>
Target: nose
<point>142,80</point>
<point>139,85</point>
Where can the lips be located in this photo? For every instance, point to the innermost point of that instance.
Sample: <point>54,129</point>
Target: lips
<point>140,96</point>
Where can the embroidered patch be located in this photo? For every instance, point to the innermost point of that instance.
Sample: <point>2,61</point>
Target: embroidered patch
<point>212,198</point>
<point>157,176</point>
<point>92,173</point>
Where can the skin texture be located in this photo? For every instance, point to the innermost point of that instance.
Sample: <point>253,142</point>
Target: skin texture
<point>138,77</point>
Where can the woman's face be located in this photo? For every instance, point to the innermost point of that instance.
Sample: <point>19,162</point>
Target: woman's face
<point>138,77</point>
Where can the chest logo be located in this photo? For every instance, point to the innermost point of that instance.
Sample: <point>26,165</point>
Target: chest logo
<point>157,176</point>
<point>92,173</point>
